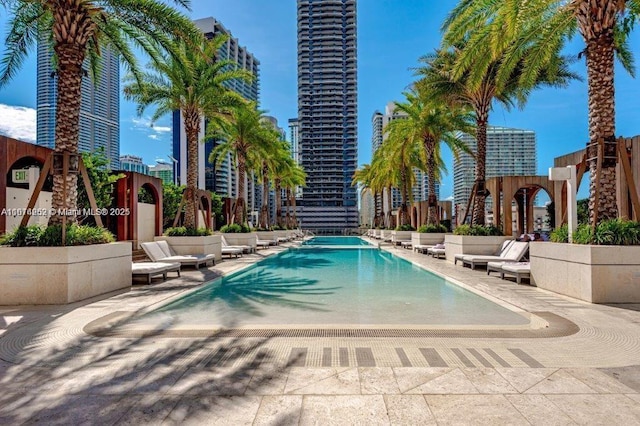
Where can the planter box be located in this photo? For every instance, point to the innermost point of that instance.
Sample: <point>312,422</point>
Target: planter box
<point>426,238</point>
<point>385,234</point>
<point>281,234</point>
<point>209,244</point>
<point>242,239</point>
<point>398,236</point>
<point>468,244</point>
<point>596,274</point>
<point>58,275</point>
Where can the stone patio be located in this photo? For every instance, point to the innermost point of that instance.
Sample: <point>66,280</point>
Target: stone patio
<point>53,372</point>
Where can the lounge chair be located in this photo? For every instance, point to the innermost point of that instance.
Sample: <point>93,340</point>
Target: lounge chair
<point>264,243</point>
<point>160,251</point>
<point>232,251</point>
<point>437,251</point>
<point>422,248</point>
<point>245,249</point>
<point>515,252</point>
<point>406,244</point>
<point>517,269</point>
<point>153,269</point>
<point>505,245</point>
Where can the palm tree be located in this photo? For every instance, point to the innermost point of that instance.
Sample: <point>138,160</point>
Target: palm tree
<point>194,85</point>
<point>241,136</point>
<point>440,80</point>
<point>293,178</point>
<point>427,125</point>
<point>267,158</point>
<point>78,30</point>
<point>530,35</point>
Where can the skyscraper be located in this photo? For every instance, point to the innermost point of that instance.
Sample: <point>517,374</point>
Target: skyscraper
<point>133,163</point>
<point>510,152</point>
<point>328,113</point>
<point>217,178</point>
<point>99,107</point>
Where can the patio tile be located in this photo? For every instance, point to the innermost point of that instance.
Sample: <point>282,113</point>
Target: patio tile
<point>268,382</point>
<point>378,381</point>
<point>488,380</point>
<point>161,379</point>
<point>83,410</point>
<point>279,410</point>
<point>539,410</point>
<point>323,381</point>
<point>220,381</point>
<point>408,410</point>
<point>634,396</point>
<point>341,410</point>
<point>599,381</point>
<point>232,411</point>
<point>524,378</point>
<point>599,409</point>
<point>408,377</point>
<point>149,409</point>
<point>560,382</point>
<point>451,382</point>
<point>473,410</point>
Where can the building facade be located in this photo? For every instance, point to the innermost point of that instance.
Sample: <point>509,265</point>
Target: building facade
<point>133,163</point>
<point>163,171</point>
<point>510,152</point>
<point>219,178</point>
<point>328,113</point>
<point>99,106</point>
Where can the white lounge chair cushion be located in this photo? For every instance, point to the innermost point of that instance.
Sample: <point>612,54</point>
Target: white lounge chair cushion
<point>517,267</point>
<point>231,250</point>
<point>166,249</point>
<point>152,267</point>
<point>514,252</point>
<point>154,251</point>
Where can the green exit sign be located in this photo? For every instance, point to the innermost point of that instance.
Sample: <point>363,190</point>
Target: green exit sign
<point>20,176</point>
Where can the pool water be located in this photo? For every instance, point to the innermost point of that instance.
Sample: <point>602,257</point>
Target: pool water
<point>336,286</point>
<point>336,241</point>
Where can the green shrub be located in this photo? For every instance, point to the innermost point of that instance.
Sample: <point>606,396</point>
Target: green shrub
<point>431,229</point>
<point>477,230</point>
<point>405,227</point>
<point>234,228</point>
<point>27,236</point>
<point>181,231</point>
<point>76,235</point>
<point>615,232</point>
<point>277,228</point>
<point>447,224</point>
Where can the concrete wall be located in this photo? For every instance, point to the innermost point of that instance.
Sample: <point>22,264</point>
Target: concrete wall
<point>146,222</point>
<point>18,198</point>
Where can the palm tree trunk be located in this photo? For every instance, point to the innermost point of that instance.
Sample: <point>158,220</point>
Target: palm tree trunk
<point>390,206</point>
<point>192,130</point>
<point>288,222</point>
<point>239,216</point>
<point>67,130</point>
<point>278,194</point>
<point>482,113</point>
<point>264,210</point>
<point>600,73</point>
<point>294,218</point>
<point>404,214</point>
<point>432,202</point>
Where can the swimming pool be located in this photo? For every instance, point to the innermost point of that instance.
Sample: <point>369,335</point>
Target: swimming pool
<point>336,241</point>
<point>336,286</point>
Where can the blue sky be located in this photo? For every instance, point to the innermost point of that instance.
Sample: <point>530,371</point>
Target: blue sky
<point>392,35</point>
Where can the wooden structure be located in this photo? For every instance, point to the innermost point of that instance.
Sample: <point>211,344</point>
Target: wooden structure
<point>126,197</point>
<point>204,207</point>
<point>12,152</point>
<point>419,211</point>
<point>627,178</point>
<point>522,189</point>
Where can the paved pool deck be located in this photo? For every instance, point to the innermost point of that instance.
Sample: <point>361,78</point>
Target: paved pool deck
<point>53,372</point>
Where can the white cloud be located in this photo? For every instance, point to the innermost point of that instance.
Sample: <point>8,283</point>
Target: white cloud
<point>144,124</point>
<point>18,122</point>
<point>449,198</point>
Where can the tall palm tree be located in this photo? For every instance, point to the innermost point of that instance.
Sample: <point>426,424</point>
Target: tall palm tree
<point>241,136</point>
<point>267,158</point>
<point>530,35</point>
<point>294,178</point>
<point>440,80</point>
<point>194,85</point>
<point>428,125</point>
<point>77,31</point>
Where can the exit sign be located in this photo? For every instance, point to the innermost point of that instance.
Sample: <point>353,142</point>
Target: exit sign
<point>20,176</point>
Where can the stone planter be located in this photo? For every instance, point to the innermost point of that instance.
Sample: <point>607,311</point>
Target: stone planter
<point>58,275</point>
<point>209,244</point>
<point>471,244</point>
<point>427,238</point>
<point>399,236</point>
<point>596,274</point>
<point>385,234</point>
<point>242,239</point>
<point>281,234</point>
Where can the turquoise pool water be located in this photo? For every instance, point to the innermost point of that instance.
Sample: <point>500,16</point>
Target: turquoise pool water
<point>336,286</point>
<point>336,241</point>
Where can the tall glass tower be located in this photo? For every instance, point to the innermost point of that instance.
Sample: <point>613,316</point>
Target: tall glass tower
<point>328,113</point>
<point>99,107</point>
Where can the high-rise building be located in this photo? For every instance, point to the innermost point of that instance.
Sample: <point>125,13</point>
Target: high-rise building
<point>379,122</point>
<point>133,163</point>
<point>99,106</point>
<point>294,139</point>
<point>510,152</point>
<point>218,178</point>
<point>328,113</point>
<point>162,171</point>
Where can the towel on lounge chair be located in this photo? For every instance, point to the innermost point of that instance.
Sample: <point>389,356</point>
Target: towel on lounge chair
<point>515,252</point>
